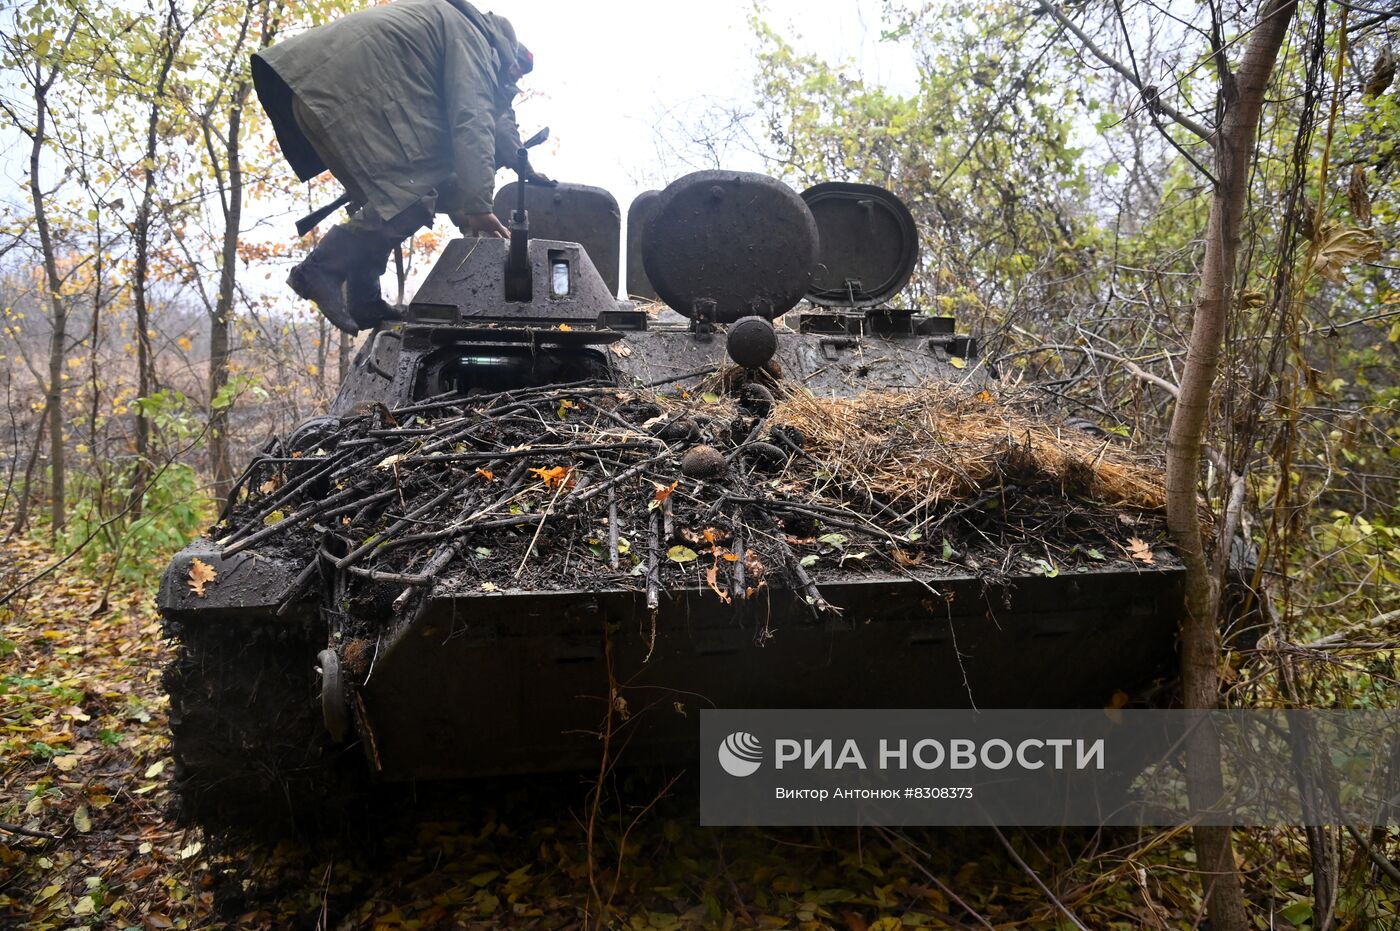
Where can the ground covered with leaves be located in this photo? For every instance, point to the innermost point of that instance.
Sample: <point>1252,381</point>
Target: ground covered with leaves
<point>85,796</point>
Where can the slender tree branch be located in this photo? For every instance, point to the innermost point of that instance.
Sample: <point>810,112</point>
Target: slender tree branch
<point>1152,99</point>
<point>1133,368</point>
<point>1376,856</point>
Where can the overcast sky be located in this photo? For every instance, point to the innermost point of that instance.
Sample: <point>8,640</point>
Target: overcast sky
<point>611,79</point>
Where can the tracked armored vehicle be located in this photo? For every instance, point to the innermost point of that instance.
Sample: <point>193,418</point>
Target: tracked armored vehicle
<point>271,711</point>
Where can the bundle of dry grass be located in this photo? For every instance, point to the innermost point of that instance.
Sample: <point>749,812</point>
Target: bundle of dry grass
<point>923,448</point>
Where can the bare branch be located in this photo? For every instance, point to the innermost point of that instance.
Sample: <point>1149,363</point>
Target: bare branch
<point>1149,96</point>
<point>1133,368</point>
<point>1378,858</point>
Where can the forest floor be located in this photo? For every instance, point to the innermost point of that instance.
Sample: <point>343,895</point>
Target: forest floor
<point>86,780</point>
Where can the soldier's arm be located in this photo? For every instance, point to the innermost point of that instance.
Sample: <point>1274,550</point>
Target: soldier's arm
<point>507,139</point>
<point>469,90</point>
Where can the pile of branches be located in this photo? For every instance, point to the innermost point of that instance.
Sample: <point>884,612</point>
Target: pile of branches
<point>735,485</point>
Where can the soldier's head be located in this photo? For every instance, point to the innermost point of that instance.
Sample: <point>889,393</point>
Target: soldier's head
<point>517,61</point>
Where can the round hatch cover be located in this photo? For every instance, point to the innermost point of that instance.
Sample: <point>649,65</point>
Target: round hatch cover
<point>869,244</point>
<point>743,240</point>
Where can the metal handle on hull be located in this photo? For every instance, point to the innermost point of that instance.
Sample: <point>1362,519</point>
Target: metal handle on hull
<point>370,363</point>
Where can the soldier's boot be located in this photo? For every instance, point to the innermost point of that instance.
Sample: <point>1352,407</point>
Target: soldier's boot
<point>363,298</point>
<point>321,277</point>
<point>374,243</point>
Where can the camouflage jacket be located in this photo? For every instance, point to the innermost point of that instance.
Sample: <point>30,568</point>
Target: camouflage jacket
<point>408,95</point>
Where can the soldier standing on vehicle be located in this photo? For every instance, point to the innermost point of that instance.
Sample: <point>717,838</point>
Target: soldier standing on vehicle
<point>408,106</point>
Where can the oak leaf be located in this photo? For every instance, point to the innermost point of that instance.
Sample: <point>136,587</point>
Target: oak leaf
<point>1339,246</point>
<point>201,574</point>
<point>555,476</point>
<point>712,579</point>
<point>1139,550</point>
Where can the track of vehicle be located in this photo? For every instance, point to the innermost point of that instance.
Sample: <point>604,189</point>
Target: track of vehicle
<point>247,734</point>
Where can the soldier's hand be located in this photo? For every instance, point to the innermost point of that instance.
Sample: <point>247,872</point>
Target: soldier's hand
<point>482,224</point>
<point>540,178</point>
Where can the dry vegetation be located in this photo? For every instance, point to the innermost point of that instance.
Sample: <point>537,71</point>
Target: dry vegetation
<point>87,772</point>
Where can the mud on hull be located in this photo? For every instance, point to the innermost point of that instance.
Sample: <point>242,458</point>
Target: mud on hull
<point>494,684</point>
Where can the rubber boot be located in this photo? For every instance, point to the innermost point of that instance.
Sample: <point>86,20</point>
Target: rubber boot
<point>321,277</point>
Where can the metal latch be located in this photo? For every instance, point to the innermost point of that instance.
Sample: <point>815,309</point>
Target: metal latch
<point>831,348</point>
<point>702,318</point>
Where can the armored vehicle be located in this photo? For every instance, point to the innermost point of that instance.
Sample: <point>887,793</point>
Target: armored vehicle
<point>269,710</point>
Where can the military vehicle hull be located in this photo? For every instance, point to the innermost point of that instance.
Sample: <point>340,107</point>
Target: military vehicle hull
<point>494,684</point>
<point>270,708</point>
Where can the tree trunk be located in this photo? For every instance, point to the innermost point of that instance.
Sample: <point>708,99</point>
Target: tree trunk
<point>145,376</point>
<point>323,336</point>
<point>221,318</point>
<point>58,309</point>
<point>219,460</point>
<point>21,523</point>
<point>344,366</point>
<point>1242,96</point>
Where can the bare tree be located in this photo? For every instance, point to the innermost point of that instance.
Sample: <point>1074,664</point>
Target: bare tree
<point>35,60</point>
<point>223,147</point>
<point>1239,100</point>
<point>171,34</point>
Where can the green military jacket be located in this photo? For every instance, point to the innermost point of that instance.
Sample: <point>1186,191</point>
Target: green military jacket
<point>408,95</point>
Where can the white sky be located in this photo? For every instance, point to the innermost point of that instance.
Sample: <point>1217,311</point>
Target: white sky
<point>616,82</point>
<point>610,75</point>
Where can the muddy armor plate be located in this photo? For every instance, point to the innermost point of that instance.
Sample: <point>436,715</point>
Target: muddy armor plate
<point>639,214</point>
<point>745,242</point>
<point>577,213</point>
